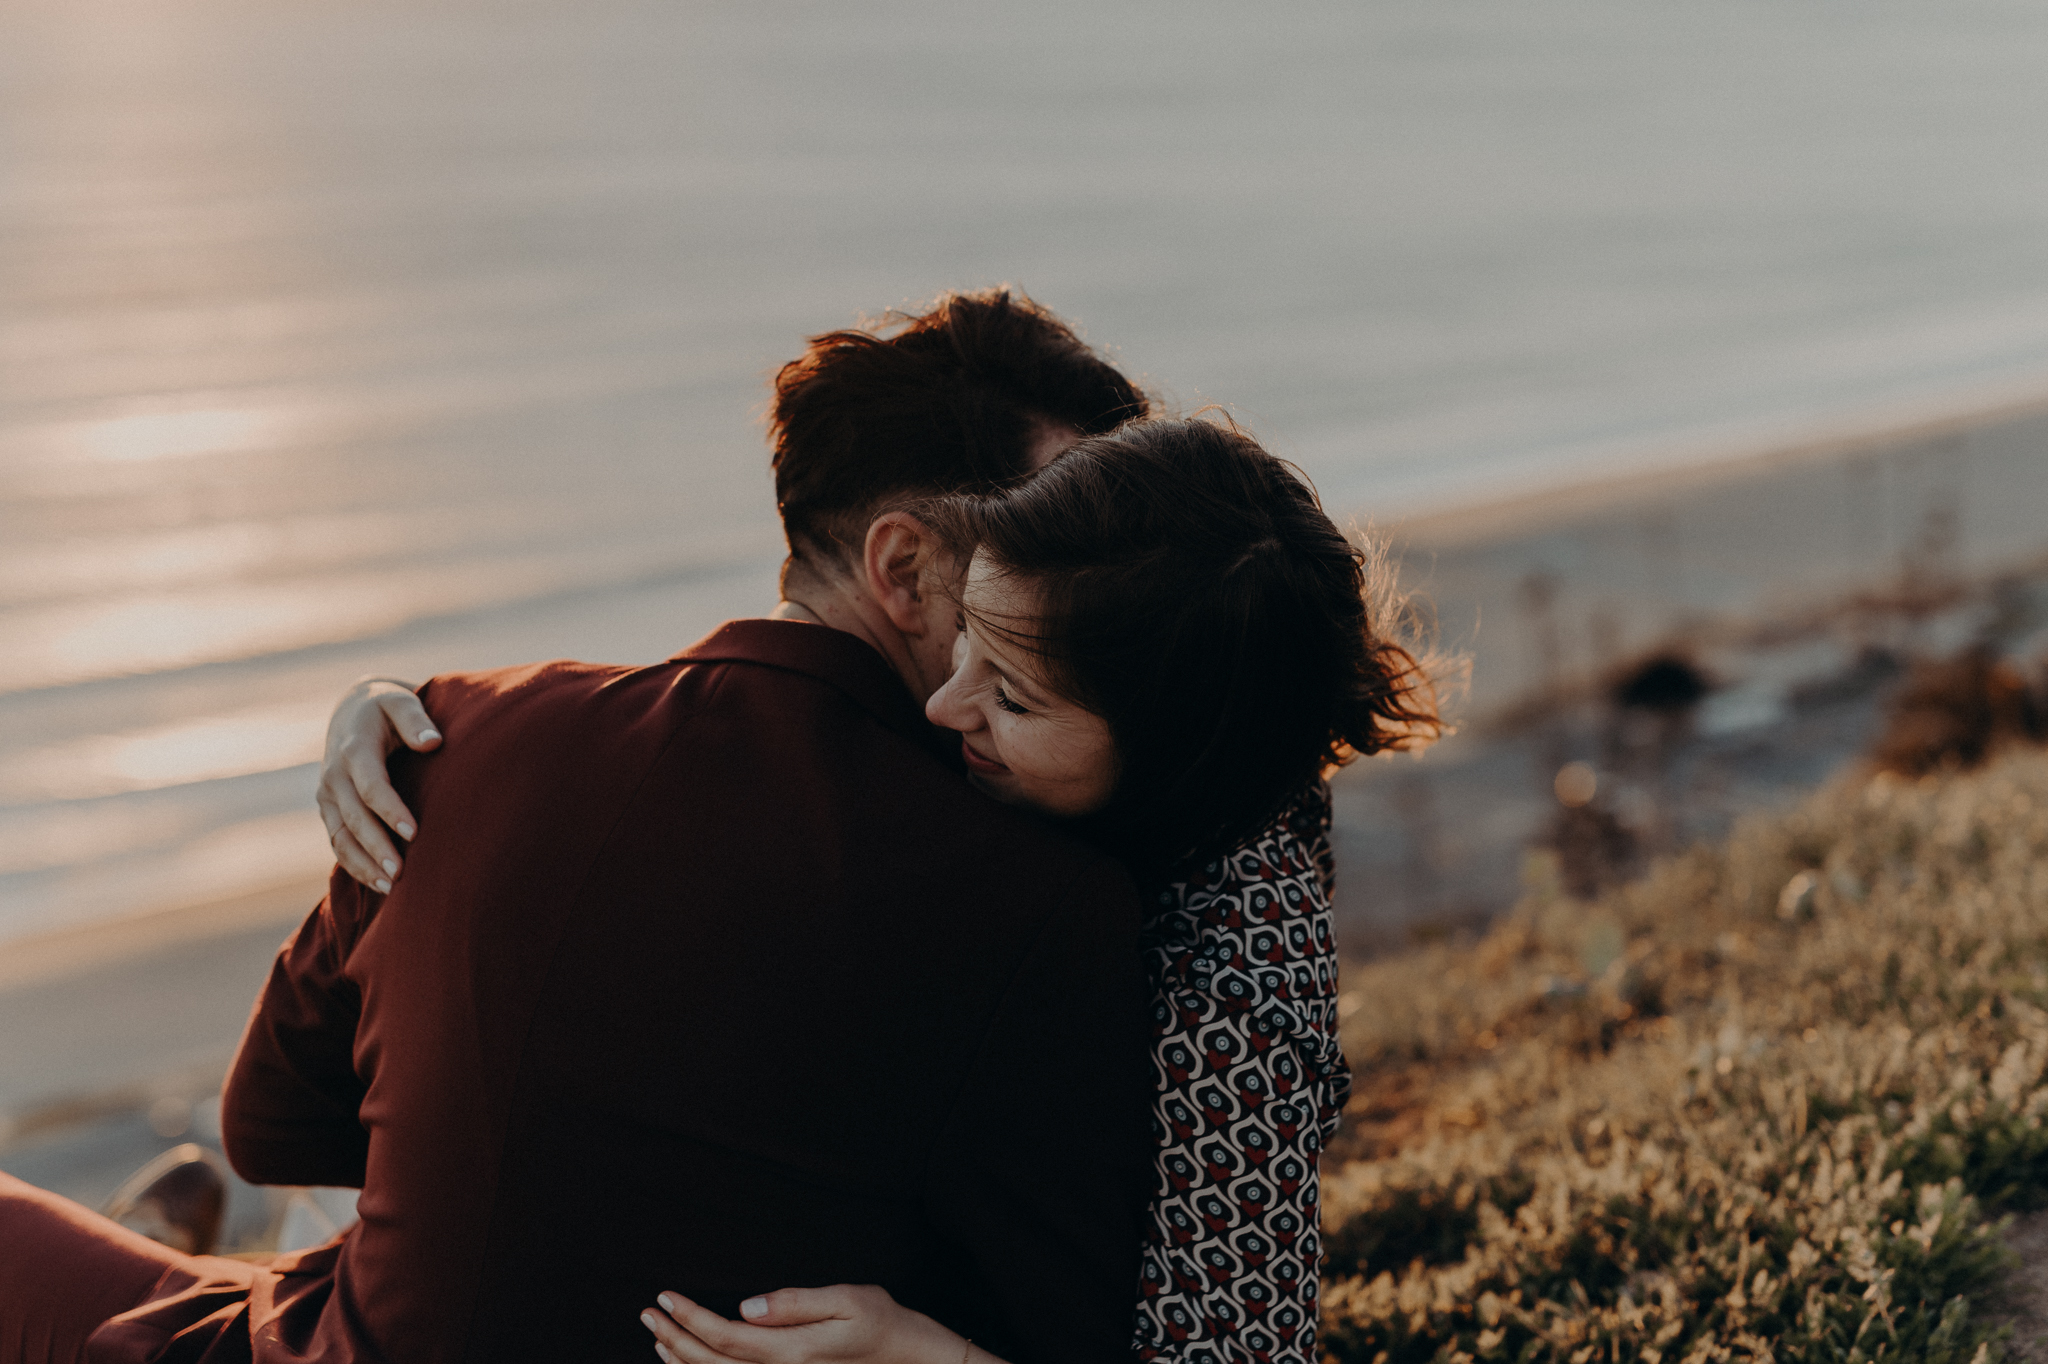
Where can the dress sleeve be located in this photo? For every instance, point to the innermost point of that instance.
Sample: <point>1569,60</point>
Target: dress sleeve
<point>1248,1083</point>
<point>1231,1262</point>
<point>288,1114</point>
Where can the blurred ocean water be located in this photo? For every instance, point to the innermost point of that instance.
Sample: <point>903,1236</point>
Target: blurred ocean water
<point>399,338</point>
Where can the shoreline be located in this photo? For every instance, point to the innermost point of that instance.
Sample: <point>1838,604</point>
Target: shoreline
<point>1623,564</point>
<point>1543,590</point>
<point>1801,578</point>
<point>45,958</point>
<point>1565,584</point>
<point>114,1015</point>
<point>1691,466</point>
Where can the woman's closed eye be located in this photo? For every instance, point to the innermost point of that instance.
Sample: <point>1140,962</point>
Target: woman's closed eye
<point>1003,700</point>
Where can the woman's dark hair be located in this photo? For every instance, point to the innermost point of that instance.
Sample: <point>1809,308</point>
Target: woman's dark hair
<point>1194,595</point>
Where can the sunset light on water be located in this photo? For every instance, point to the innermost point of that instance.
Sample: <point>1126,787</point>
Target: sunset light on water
<point>170,434</point>
<point>398,341</point>
<point>234,745</point>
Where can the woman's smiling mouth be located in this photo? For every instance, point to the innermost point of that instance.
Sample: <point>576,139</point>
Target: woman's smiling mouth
<point>987,767</point>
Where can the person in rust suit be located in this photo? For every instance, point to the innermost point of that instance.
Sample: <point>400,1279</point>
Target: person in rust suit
<point>777,998</point>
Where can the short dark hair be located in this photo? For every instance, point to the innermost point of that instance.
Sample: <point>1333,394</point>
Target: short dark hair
<point>1194,594</point>
<point>948,400</point>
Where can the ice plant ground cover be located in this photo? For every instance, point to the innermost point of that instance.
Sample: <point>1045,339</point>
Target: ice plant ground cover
<point>1770,1102</point>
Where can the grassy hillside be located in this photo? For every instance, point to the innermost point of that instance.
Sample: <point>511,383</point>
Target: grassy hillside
<point>1768,1103</point>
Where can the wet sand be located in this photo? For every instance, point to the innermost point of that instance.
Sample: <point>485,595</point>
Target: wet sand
<point>1557,586</point>
<point>114,1040</point>
<point>118,1014</point>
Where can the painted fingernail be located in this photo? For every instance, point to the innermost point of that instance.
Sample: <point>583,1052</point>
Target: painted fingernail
<point>647,1320</point>
<point>383,887</point>
<point>428,736</point>
<point>405,831</point>
<point>754,1307</point>
<point>390,867</point>
<point>668,1304</point>
<point>664,1352</point>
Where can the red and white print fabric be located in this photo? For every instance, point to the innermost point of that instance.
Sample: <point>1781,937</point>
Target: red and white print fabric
<point>1249,1082</point>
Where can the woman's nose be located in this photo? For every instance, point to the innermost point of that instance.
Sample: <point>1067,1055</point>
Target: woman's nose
<point>949,708</point>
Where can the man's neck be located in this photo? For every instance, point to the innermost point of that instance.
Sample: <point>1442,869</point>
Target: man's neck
<point>831,605</point>
<point>840,601</point>
<point>838,607</point>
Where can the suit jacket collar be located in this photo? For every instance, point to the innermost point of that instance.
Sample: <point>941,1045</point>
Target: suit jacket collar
<point>843,661</point>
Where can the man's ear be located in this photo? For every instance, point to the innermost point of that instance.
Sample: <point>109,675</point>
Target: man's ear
<point>898,560</point>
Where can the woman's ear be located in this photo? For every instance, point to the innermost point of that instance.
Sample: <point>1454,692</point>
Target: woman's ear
<point>900,559</point>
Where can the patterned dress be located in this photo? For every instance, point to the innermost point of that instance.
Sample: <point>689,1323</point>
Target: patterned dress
<point>1249,1082</point>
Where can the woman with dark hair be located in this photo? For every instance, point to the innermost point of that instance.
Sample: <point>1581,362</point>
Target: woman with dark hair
<point>1167,643</point>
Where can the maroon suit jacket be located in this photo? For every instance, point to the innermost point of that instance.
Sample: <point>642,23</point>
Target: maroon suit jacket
<point>709,976</point>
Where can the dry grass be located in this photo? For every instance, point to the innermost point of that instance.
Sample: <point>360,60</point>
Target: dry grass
<point>1769,1102</point>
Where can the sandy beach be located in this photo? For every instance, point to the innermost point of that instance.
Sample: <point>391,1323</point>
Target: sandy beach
<point>1799,577</point>
<point>115,1037</point>
<point>1792,531</point>
<point>117,1014</point>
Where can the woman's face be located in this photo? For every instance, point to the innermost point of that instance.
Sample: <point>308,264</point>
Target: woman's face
<point>1024,744</point>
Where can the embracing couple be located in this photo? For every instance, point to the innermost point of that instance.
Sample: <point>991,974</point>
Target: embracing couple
<point>937,968</point>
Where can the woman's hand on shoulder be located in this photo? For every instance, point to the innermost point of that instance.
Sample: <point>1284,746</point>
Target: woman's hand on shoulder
<point>844,1324</point>
<point>377,716</point>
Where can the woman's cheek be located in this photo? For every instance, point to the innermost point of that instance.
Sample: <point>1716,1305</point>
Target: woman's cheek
<point>1002,729</point>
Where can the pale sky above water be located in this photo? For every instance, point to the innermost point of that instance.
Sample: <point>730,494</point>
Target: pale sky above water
<point>316,322</point>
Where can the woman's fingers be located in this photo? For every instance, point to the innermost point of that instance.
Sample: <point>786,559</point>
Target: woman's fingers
<point>349,850</point>
<point>379,852</point>
<point>360,806</point>
<point>394,719</point>
<point>369,782</point>
<point>801,1306</point>
<point>847,1322</point>
<point>349,855</point>
<point>721,1338</point>
<point>353,858</point>
<point>678,1346</point>
<point>409,720</point>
